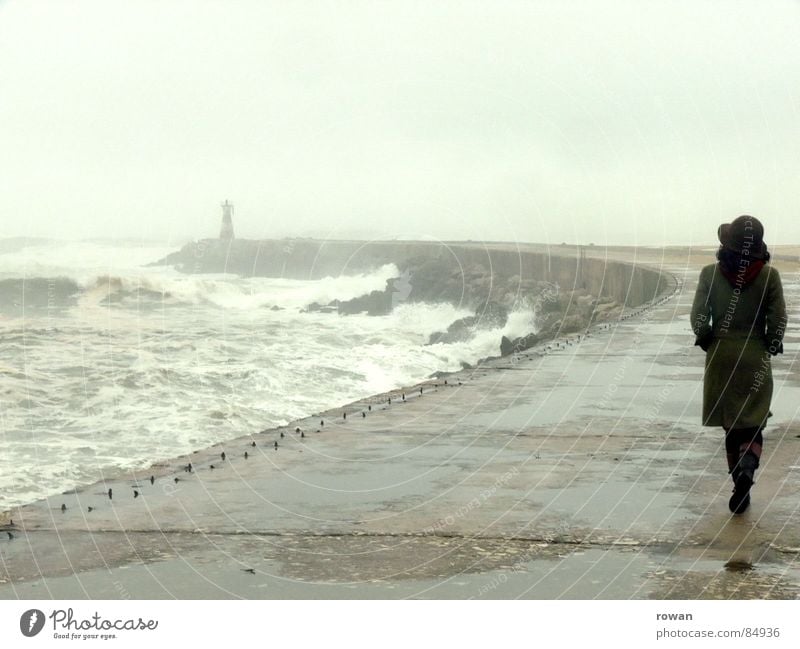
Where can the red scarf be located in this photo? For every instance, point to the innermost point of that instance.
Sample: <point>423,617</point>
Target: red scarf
<point>744,274</point>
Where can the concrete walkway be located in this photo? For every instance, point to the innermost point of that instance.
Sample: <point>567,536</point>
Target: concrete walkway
<point>575,472</point>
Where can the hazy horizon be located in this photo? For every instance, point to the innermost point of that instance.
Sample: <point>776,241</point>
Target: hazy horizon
<point>180,241</point>
<point>624,123</point>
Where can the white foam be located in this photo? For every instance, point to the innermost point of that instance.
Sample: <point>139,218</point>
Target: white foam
<point>79,260</point>
<point>214,363</point>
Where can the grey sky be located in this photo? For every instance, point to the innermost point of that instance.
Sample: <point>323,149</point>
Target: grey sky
<point>611,122</point>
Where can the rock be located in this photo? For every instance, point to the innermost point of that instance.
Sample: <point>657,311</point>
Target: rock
<point>374,303</point>
<point>489,316</point>
<point>508,347</point>
<point>316,307</point>
<point>438,374</point>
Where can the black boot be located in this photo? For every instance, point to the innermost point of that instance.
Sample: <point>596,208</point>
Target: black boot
<point>743,478</point>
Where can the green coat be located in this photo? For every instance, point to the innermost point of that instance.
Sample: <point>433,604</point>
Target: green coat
<point>744,323</point>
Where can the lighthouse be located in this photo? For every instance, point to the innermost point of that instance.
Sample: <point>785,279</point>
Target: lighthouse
<point>226,232</point>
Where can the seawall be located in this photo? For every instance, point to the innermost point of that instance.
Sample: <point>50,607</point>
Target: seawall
<point>457,271</point>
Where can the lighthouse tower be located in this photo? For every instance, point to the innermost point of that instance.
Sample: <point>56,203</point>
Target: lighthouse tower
<point>226,232</point>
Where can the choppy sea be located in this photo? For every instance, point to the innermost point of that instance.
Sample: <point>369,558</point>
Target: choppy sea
<point>108,363</point>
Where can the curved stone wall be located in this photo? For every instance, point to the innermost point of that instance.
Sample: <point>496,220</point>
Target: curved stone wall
<point>497,269</point>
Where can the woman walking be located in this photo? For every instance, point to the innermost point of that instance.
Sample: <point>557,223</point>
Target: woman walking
<point>739,317</point>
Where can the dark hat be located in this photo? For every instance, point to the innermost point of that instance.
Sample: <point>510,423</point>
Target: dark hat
<point>744,235</point>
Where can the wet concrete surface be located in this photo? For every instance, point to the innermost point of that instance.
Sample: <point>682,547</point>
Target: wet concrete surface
<point>575,472</point>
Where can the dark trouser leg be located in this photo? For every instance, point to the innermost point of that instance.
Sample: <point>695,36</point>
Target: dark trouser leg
<point>743,449</point>
<point>731,449</point>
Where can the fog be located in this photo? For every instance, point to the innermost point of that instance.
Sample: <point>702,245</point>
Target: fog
<point>606,122</point>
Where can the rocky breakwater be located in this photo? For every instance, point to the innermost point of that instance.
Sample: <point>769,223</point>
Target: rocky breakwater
<point>564,293</point>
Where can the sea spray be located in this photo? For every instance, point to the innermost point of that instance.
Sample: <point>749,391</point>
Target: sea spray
<point>144,363</point>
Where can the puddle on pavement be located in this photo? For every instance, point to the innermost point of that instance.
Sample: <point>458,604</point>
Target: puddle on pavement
<point>734,579</point>
<point>739,566</point>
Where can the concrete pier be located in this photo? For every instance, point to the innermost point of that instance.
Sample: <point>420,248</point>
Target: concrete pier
<point>578,471</point>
